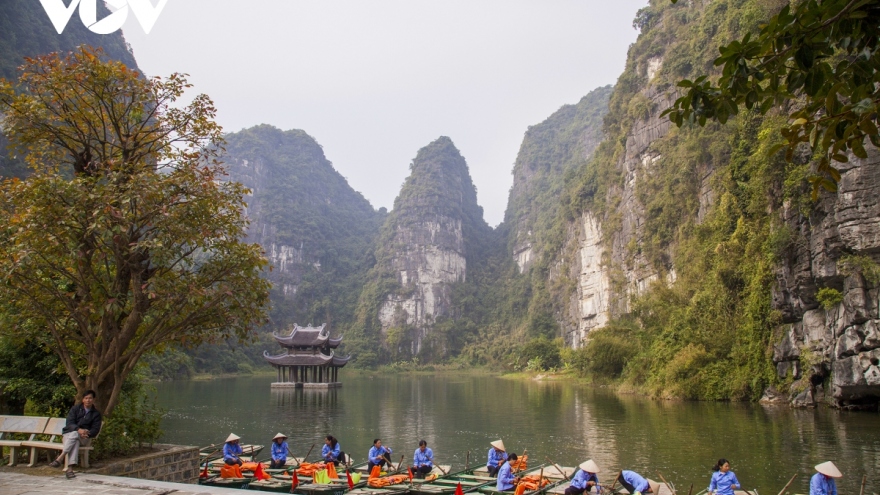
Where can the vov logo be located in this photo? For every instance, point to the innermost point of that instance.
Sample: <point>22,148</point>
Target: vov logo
<point>144,11</point>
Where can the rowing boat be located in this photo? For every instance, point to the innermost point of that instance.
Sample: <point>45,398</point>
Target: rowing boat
<point>214,452</point>
<point>281,483</point>
<point>549,472</point>
<point>446,484</point>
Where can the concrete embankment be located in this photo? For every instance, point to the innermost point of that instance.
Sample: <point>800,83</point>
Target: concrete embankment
<point>94,484</point>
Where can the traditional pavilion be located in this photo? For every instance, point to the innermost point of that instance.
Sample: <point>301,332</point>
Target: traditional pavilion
<point>308,360</point>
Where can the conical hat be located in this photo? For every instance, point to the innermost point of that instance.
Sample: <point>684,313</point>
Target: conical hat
<point>280,435</point>
<point>829,469</point>
<point>655,487</point>
<point>231,437</point>
<point>498,444</point>
<point>589,466</point>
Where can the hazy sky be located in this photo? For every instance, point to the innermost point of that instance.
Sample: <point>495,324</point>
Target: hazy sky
<point>374,80</point>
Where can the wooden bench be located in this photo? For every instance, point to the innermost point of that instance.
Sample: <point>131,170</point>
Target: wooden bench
<point>11,426</point>
<point>54,428</point>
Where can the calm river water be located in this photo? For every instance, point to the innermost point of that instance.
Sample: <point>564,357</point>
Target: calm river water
<point>560,421</point>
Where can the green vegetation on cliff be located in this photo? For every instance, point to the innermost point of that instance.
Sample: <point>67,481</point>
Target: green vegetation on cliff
<point>707,335</point>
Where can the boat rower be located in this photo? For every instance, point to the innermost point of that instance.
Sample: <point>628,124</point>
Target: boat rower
<point>423,460</point>
<point>723,482</point>
<point>331,452</point>
<point>584,480</point>
<point>379,455</point>
<point>497,456</point>
<point>637,484</point>
<point>280,451</point>
<point>506,479</point>
<point>822,483</point>
<point>232,450</point>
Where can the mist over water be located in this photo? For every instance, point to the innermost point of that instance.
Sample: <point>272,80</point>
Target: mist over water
<point>563,422</point>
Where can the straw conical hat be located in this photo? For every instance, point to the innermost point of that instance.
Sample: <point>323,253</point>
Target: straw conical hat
<point>655,487</point>
<point>829,469</point>
<point>280,435</point>
<point>589,466</point>
<point>231,437</point>
<point>498,444</point>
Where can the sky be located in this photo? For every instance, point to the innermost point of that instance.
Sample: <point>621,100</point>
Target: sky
<point>373,81</point>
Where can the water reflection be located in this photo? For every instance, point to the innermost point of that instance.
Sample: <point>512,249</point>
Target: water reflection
<point>559,421</point>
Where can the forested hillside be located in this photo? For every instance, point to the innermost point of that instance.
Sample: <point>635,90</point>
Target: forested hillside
<point>26,31</point>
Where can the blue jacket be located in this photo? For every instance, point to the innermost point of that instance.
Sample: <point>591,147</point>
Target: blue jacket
<point>231,452</point>
<point>581,478</point>
<point>494,457</point>
<point>822,485</point>
<point>505,478</point>
<point>330,454</point>
<point>635,479</point>
<point>376,453</point>
<point>425,458</point>
<point>722,483</point>
<point>279,452</point>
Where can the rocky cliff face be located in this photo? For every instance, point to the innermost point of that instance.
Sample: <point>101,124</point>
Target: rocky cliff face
<point>312,225</point>
<point>550,150</point>
<point>832,354</point>
<point>427,242</point>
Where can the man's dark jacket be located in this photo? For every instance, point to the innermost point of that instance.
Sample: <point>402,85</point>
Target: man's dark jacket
<point>78,418</point>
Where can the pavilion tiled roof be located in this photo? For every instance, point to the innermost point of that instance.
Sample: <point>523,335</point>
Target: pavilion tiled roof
<point>308,337</point>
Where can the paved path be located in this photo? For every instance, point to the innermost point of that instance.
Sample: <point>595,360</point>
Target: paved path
<point>94,484</point>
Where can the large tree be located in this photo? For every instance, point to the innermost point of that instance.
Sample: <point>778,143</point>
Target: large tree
<point>126,238</point>
<point>816,60</point>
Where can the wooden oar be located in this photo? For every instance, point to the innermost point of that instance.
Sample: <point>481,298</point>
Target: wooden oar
<point>691,490</point>
<point>399,464</point>
<point>864,479</point>
<point>788,484</point>
<point>300,463</point>
<point>665,482</point>
<point>557,468</point>
<point>467,461</point>
<point>615,481</point>
<point>519,461</point>
<point>441,469</point>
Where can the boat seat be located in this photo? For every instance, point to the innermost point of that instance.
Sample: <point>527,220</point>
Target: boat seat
<point>11,426</point>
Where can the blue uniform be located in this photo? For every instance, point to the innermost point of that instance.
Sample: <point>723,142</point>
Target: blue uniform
<point>280,451</point>
<point>722,483</point>
<point>330,454</point>
<point>494,457</point>
<point>638,483</point>
<point>231,452</point>
<point>505,478</point>
<point>582,477</point>
<point>376,454</point>
<point>822,485</point>
<point>425,458</point>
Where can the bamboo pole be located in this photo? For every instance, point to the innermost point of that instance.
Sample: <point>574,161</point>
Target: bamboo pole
<point>307,455</point>
<point>864,479</point>
<point>557,467</point>
<point>666,483</point>
<point>788,484</point>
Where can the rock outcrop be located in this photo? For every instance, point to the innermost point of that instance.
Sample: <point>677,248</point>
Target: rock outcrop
<point>427,242</point>
<point>833,354</point>
<point>312,225</point>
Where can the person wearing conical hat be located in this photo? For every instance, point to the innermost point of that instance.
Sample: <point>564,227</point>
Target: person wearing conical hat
<point>822,483</point>
<point>497,456</point>
<point>585,479</point>
<point>232,450</point>
<point>280,451</point>
<point>723,482</point>
<point>636,483</point>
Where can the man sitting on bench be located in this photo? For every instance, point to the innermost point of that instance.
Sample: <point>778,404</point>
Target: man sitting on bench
<point>83,424</point>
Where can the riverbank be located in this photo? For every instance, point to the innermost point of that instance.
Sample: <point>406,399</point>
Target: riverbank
<point>16,483</point>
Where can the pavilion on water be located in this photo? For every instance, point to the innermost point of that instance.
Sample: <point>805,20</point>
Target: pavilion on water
<point>308,360</point>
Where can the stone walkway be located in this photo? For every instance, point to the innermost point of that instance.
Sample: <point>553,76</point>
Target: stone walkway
<point>94,484</point>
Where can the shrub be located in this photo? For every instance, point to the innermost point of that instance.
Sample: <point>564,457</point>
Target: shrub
<point>134,423</point>
<point>607,352</point>
<point>540,354</point>
<point>829,297</point>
